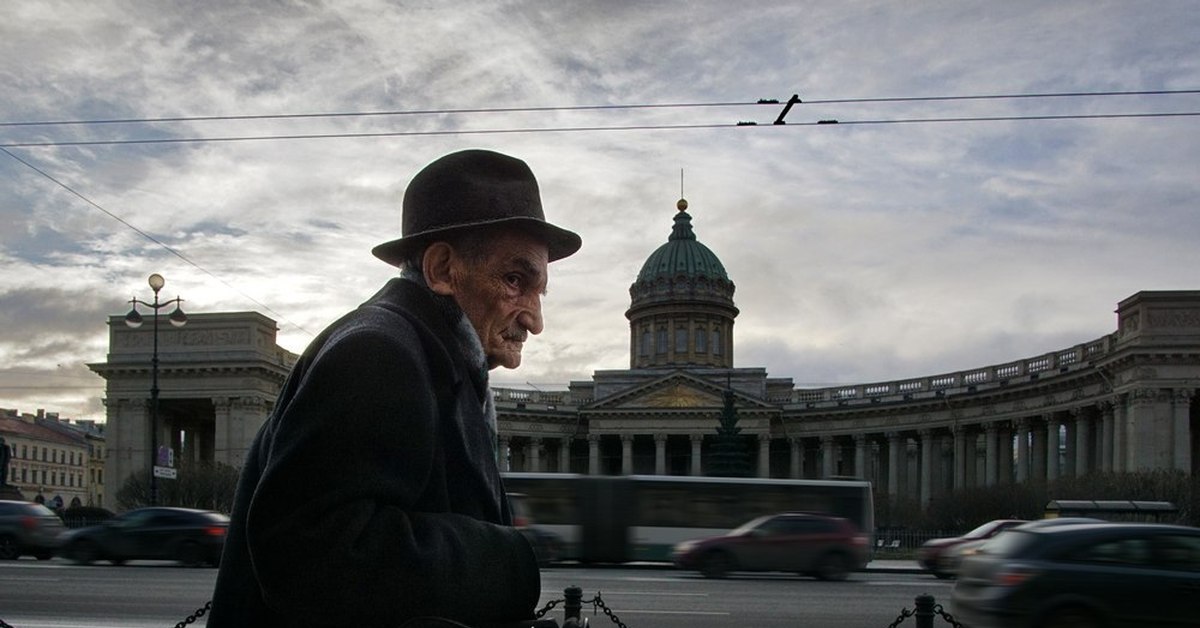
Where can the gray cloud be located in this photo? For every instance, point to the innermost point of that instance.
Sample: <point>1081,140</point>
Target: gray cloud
<point>860,253</point>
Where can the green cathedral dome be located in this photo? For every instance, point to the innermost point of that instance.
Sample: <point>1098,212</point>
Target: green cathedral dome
<point>682,256</point>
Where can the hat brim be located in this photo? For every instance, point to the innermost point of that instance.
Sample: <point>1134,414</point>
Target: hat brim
<point>560,242</point>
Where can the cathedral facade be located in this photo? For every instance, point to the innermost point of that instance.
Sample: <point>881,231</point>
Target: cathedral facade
<point>1124,401</point>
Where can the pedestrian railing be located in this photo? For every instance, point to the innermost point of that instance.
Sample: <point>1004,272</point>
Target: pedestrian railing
<point>924,612</point>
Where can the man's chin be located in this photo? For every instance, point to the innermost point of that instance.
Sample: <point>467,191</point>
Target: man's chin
<point>507,361</point>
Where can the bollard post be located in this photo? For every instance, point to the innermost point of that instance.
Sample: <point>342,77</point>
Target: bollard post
<point>924,611</point>
<point>572,605</point>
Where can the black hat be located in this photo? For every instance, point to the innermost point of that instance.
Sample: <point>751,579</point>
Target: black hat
<point>468,189</point>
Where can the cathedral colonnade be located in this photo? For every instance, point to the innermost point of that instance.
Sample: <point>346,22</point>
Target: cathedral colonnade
<point>1123,402</point>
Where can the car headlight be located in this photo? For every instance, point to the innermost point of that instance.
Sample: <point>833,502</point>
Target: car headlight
<point>684,547</point>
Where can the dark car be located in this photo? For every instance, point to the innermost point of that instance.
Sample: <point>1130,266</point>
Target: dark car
<point>1087,575</point>
<point>951,559</point>
<point>192,537</point>
<point>28,528</point>
<point>929,556</point>
<point>826,547</point>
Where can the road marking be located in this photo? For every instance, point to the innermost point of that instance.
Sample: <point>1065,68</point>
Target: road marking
<point>29,579</point>
<point>625,611</point>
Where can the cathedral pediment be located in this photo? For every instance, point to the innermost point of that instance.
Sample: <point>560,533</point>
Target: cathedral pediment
<point>676,395</point>
<point>676,391</point>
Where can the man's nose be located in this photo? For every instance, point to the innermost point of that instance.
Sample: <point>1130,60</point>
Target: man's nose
<point>531,317</point>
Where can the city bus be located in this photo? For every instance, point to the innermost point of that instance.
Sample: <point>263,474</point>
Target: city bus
<point>618,519</point>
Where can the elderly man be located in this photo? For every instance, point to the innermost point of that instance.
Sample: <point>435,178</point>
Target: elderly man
<point>372,493</point>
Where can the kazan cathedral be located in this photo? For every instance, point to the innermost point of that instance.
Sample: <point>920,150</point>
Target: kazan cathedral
<point>1123,401</point>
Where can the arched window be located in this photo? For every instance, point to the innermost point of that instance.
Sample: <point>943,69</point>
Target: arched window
<point>717,348</point>
<point>681,337</point>
<point>661,347</point>
<point>701,340</point>
<point>644,348</point>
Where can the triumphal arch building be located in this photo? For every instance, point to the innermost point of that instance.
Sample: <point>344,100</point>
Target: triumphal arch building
<point>1123,401</point>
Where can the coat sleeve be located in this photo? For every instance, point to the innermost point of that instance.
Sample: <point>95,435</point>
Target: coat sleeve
<point>332,531</point>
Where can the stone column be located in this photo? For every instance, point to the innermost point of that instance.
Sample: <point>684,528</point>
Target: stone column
<point>696,439</point>
<point>1106,435</point>
<point>564,454</point>
<point>797,458</point>
<point>660,454</point>
<point>1037,451</point>
<point>626,454</point>
<point>896,455</point>
<point>505,456</point>
<point>828,457</point>
<point>990,462</point>
<point>1120,433</point>
<point>1022,428</point>
<point>1181,401</point>
<point>1005,472</point>
<point>534,458</point>
<point>593,454</point>
<point>1052,425</point>
<point>961,459</point>
<point>764,455</point>
<point>927,441</point>
<point>1069,446</point>
<point>1083,441</point>
<point>224,450</point>
<point>860,456</point>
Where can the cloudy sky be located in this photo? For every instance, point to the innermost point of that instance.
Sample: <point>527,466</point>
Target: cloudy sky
<point>861,252</point>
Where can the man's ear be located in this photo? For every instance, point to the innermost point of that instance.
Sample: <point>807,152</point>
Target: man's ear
<point>437,264</point>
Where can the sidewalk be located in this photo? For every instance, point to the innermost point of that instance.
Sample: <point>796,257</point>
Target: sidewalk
<point>894,566</point>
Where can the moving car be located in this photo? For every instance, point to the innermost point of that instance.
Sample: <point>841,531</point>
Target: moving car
<point>1083,576</point>
<point>28,528</point>
<point>929,556</point>
<point>547,545</point>
<point>192,537</point>
<point>826,547</point>
<point>950,560</point>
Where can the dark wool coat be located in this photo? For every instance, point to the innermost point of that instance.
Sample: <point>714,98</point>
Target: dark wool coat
<point>371,494</point>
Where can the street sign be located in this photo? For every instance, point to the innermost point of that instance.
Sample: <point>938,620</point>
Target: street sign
<point>164,472</point>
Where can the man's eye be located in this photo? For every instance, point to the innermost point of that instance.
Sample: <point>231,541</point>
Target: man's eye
<point>513,279</point>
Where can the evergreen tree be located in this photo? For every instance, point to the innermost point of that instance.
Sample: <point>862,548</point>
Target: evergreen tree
<point>729,457</point>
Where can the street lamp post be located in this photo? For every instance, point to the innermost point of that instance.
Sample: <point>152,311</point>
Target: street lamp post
<point>134,320</point>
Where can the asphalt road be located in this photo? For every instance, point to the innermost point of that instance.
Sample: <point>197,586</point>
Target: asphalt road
<point>57,594</point>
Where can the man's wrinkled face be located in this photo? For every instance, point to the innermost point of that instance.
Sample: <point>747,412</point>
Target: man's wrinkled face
<point>501,294</point>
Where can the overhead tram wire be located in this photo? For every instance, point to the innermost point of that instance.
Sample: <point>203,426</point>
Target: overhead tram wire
<point>579,129</point>
<point>366,114</point>
<point>151,238</point>
<point>569,108</point>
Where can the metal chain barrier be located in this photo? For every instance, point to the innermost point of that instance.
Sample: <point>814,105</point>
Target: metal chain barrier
<point>596,602</point>
<point>191,619</point>
<point>904,614</point>
<point>925,610</point>
<point>538,615</point>
<point>946,616</point>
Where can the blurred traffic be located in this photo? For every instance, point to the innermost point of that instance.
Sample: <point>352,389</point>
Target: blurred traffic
<point>828,548</point>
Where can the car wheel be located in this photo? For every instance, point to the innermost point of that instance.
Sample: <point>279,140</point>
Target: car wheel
<point>9,550</point>
<point>942,575</point>
<point>716,565</point>
<point>83,552</point>
<point>1070,617</point>
<point>44,555</point>
<point>190,554</point>
<point>832,566</point>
